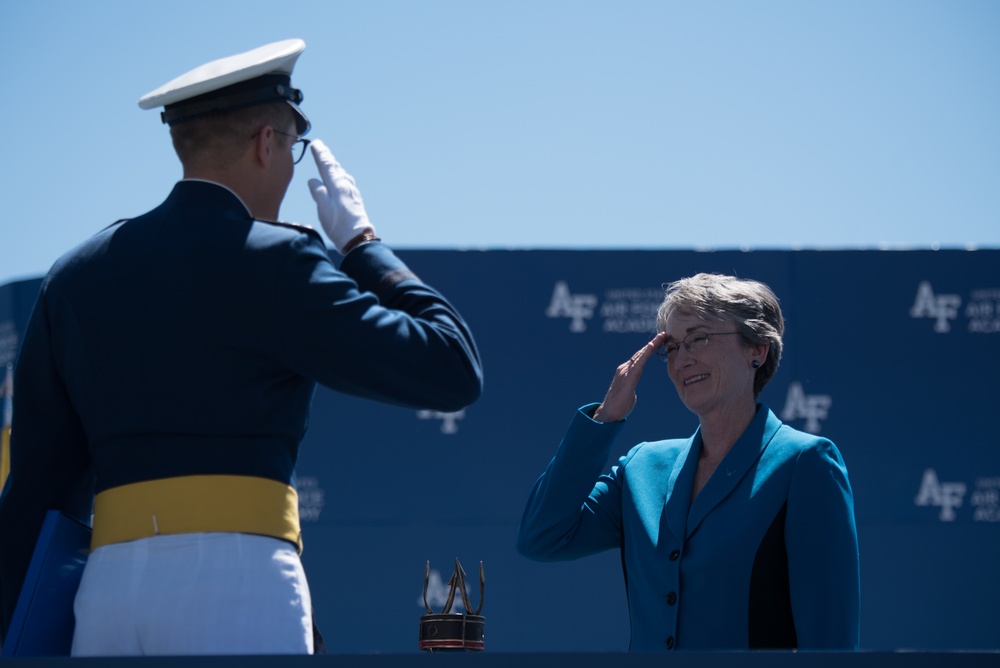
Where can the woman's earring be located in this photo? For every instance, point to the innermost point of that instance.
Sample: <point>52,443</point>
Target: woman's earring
<point>755,364</point>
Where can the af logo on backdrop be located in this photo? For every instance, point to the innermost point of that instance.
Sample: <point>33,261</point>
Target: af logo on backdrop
<point>312,498</point>
<point>578,308</point>
<point>944,495</point>
<point>621,311</point>
<point>982,309</point>
<point>982,315</point>
<point>449,421</point>
<point>941,307</point>
<point>811,407</point>
<point>948,495</point>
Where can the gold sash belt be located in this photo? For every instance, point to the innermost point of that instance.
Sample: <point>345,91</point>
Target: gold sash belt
<point>195,504</point>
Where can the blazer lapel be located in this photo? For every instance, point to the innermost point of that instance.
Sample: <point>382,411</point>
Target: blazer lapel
<point>681,480</point>
<point>733,468</point>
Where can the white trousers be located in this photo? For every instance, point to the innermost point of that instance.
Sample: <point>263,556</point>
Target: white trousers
<point>193,594</point>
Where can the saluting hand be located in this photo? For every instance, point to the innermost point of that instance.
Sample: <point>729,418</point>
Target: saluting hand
<point>338,200</point>
<point>620,399</point>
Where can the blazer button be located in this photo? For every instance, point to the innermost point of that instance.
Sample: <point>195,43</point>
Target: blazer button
<point>669,642</point>
<point>671,598</point>
<point>675,555</point>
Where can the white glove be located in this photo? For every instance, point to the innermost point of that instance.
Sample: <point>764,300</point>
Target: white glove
<point>338,201</point>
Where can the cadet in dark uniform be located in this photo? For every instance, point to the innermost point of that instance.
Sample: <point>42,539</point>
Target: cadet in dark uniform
<point>169,366</point>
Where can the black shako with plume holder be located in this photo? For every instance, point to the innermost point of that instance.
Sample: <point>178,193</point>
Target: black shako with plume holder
<point>448,631</point>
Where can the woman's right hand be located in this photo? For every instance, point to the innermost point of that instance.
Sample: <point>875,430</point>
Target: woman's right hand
<point>620,399</point>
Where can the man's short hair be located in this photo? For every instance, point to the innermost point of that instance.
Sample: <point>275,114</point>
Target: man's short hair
<point>218,140</point>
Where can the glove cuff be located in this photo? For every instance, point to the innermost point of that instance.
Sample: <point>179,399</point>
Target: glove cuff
<point>363,238</point>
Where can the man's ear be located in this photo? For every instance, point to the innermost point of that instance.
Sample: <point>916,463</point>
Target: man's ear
<point>262,146</point>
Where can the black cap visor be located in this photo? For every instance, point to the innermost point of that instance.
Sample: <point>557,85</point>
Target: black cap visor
<point>260,90</point>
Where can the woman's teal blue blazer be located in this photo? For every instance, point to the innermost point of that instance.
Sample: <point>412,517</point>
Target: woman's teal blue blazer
<point>765,557</point>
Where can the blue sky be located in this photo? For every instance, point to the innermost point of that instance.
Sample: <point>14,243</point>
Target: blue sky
<point>539,124</point>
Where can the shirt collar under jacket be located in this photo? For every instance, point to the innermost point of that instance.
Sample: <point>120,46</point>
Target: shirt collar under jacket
<point>216,183</point>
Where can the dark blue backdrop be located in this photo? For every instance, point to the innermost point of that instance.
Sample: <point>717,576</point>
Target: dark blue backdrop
<point>894,355</point>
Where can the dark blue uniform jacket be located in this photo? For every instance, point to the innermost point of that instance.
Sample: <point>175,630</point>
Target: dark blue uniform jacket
<point>190,340</point>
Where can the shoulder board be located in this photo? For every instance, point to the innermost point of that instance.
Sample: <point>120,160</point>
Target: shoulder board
<point>117,222</point>
<point>298,227</point>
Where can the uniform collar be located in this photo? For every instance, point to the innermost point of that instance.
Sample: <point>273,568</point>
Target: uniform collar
<point>225,187</point>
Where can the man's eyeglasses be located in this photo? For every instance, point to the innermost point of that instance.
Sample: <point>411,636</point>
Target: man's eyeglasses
<point>298,146</point>
<point>692,342</point>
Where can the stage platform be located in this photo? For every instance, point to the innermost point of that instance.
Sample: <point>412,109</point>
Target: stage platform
<point>547,660</point>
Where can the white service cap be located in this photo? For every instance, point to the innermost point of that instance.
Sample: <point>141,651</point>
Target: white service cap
<point>256,77</point>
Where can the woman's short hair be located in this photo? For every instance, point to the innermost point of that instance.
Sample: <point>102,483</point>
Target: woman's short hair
<point>218,140</point>
<point>749,305</point>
